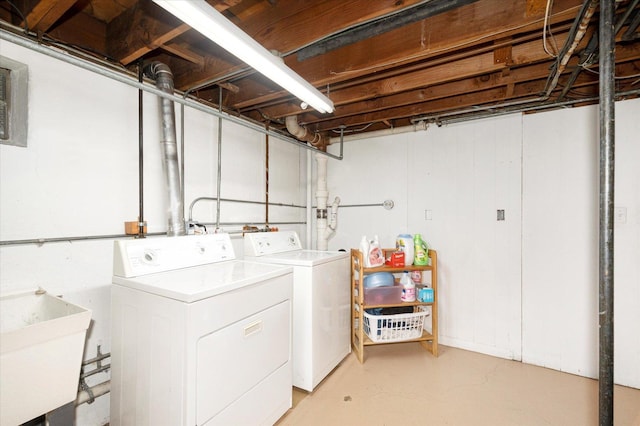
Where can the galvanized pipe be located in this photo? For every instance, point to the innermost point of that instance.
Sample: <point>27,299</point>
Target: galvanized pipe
<point>140,156</point>
<point>41,241</point>
<point>232,200</point>
<point>546,106</point>
<point>266,180</point>
<point>607,172</point>
<point>248,223</point>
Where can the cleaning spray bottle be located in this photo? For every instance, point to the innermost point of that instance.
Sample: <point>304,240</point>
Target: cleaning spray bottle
<point>420,251</point>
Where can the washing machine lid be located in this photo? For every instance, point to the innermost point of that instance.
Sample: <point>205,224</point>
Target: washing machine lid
<point>301,257</point>
<point>201,282</point>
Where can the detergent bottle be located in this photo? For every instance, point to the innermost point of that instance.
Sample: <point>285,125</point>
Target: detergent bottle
<point>408,288</point>
<point>404,243</point>
<point>364,249</point>
<point>375,256</point>
<point>420,251</point>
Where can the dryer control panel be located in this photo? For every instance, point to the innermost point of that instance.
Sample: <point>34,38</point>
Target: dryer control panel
<point>137,257</point>
<point>262,243</point>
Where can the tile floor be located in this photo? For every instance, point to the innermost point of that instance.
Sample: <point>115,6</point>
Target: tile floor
<point>402,384</point>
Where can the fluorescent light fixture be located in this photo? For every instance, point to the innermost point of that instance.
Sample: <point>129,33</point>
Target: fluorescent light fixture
<point>212,24</point>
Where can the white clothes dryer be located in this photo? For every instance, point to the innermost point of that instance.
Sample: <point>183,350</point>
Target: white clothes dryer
<point>198,338</point>
<point>321,299</point>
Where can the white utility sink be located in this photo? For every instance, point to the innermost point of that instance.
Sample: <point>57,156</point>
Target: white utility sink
<point>41,345</point>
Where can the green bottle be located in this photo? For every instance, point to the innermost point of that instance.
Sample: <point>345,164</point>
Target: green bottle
<point>420,251</point>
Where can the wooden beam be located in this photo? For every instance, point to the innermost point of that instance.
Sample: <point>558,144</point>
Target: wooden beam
<point>42,14</point>
<point>185,52</point>
<point>310,21</point>
<point>272,28</point>
<point>523,54</point>
<point>83,31</point>
<point>481,22</point>
<point>143,28</point>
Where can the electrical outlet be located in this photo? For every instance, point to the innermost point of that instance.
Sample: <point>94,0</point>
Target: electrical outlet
<point>427,215</point>
<point>500,215</point>
<point>620,215</point>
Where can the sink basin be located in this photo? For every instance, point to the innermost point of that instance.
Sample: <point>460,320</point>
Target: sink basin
<point>41,344</point>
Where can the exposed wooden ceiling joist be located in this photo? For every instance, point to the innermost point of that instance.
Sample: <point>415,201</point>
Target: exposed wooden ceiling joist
<point>459,55</point>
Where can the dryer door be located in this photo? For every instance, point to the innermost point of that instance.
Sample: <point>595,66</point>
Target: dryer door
<point>236,358</point>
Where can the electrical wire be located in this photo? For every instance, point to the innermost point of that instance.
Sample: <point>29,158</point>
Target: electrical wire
<point>547,27</point>
<point>617,77</point>
<point>26,26</point>
<point>353,130</point>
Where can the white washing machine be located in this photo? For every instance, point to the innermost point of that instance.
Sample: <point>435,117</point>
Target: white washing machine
<point>198,338</point>
<point>321,299</point>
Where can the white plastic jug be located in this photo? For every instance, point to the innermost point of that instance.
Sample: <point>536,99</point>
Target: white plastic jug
<point>408,288</point>
<point>404,243</point>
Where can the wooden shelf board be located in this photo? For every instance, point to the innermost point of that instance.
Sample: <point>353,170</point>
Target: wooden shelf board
<point>425,336</point>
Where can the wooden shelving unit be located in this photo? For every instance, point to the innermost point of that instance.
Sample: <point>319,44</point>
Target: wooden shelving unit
<point>359,338</point>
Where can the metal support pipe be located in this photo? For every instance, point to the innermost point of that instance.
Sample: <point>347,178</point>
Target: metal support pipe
<point>607,172</point>
<point>140,156</point>
<point>182,172</point>
<point>219,171</point>
<point>266,179</point>
<point>232,200</point>
<point>249,223</point>
<point>40,241</point>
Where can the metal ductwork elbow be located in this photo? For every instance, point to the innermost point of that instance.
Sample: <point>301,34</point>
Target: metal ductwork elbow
<point>164,81</point>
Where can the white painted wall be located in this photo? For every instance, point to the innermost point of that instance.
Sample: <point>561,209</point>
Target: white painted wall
<point>462,174</point>
<point>525,288</point>
<point>560,242</point>
<point>79,177</point>
<point>469,171</point>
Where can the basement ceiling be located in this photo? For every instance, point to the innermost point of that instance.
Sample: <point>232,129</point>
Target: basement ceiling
<point>385,64</point>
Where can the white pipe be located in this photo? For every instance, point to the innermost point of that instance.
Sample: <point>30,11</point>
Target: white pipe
<point>325,228</point>
<point>309,202</point>
<point>301,132</point>
<point>421,125</point>
<point>96,391</point>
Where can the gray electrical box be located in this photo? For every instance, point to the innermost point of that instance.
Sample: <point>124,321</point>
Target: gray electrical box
<point>13,102</point>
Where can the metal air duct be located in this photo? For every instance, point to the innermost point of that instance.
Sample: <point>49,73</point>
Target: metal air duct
<point>164,81</point>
